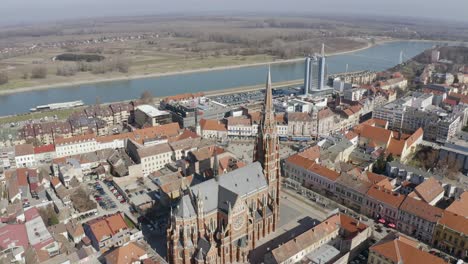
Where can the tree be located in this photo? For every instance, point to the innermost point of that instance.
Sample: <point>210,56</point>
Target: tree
<point>39,72</point>
<point>380,164</point>
<point>49,216</point>
<point>3,78</point>
<point>390,158</point>
<point>146,97</point>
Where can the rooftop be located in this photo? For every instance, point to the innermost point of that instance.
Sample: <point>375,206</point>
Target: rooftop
<point>421,209</point>
<point>385,196</point>
<point>151,110</point>
<point>403,250</point>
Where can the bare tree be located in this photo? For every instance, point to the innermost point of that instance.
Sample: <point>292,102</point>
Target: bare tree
<point>3,78</point>
<point>146,97</point>
<point>39,72</point>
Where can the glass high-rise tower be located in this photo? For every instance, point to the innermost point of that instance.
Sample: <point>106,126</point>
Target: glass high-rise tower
<point>315,73</point>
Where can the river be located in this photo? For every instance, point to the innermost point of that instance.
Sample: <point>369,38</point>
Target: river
<point>376,58</point>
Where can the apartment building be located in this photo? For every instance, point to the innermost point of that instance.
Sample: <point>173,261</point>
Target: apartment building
<point>152,158</point>
<point>383,204</point>
<point>110,231</point>
<point>418,219</point>
<point>24,156</point>
<point>395,249</point>
<point>75,145</point>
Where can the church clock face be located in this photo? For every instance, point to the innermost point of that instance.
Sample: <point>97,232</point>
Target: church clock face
<point>238,222</point>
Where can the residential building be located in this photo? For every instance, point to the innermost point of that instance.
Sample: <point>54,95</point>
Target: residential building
<point>24,155</point>
<point>429,191</point>
<point>400,82</point>
<point>45,153</point>
<point>213,129</point>
<point>151,116</point>
<point>418,219</point>
<point>310,174</point>
<point>339,231</point>
<point>127,254</point>
<point>394,249</point>
<point>450,235</point>
<point>383,204</point>
<point>75,145</point>
<point>152,158</point>
<point>121,112</point>
<point>110,231</point>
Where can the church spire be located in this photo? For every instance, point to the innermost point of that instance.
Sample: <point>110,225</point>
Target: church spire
<point>267,138</point>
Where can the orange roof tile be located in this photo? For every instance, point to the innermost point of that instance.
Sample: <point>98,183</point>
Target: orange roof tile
<point>395,147</point>
<point>325,172</point>
<point>415,137</point>
<point>385,196</point>
<point>350,135</point>
<point>75,139</point>
<point>55,181</point>
<point>455,222</point>
<point>214,125</point>
<point>428,190</point>
<point>300,161</point>
<point>311,153</point>
<point>130,253</point>
<point>460,206</point>
<point>377,134</point>
<point>404,250</point>
<point>24,149</point>
<point>107,226</point>
<point>421,209</point>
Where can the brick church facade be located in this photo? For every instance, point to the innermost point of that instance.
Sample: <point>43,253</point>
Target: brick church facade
<point>221,220</point>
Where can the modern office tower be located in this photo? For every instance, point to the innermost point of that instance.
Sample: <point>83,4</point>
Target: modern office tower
<point>315,72</point>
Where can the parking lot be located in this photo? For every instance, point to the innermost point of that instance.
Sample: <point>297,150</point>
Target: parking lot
<point>109,200</point>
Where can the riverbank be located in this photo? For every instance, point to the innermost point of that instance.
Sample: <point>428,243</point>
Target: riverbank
<point>156,75</point>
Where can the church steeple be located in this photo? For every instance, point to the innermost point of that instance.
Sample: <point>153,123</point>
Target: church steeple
<point>266,152</point>
<point>266,148</point>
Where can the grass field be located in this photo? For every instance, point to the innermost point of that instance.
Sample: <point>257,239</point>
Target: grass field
<point>181,44</point>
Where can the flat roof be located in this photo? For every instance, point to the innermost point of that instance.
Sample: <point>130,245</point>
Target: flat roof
<point>323,254</point>
<point>151,110</point>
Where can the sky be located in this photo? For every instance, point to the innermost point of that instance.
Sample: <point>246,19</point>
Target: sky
<point>27,11</point>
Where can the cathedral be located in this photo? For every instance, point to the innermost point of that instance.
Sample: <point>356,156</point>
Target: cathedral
<point>222,219</point>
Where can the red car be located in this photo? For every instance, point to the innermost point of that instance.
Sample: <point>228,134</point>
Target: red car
<point>122,201</point>
<point>98,198</point>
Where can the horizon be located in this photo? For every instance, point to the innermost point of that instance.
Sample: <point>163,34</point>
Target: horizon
<point>25,12</point>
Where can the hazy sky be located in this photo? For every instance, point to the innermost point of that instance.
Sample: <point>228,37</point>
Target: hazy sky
<point>14,11</point>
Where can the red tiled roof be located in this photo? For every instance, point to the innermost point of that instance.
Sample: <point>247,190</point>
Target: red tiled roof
<point>31,213</point>
<point>13,233</point>
<point>130,253</point>
<point>22,176</point>
<point>25,149</point>
<point>351,135</point>
<point>300,161</point>
<point>455,222</point>
<point>376,134</point>
<point>421,209</point>
<point>75,139</point>
<point>44,149</point>
<point>428,190</point>
<point>107,226</point>
<point>210,124</point>
<point>404,250</point>
<point>460,206</point>
<point>311,153</point>
<point>325,172</point>
<point>385,196</point>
